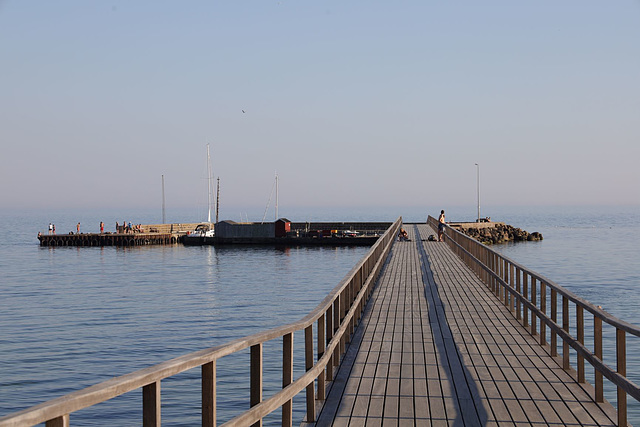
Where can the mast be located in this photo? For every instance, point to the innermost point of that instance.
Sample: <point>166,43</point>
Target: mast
<point>164,221</point>
<point>208,185</point>
<point>217,200</point>
<point>275,185</point>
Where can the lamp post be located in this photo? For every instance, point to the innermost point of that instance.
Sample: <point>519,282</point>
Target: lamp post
<point>478,185</point>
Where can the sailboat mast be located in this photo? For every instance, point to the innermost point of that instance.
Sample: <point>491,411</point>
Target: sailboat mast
<point>208,185</point>
<point>164,219</point>
<point>276,218</point>
<point>217,200</point>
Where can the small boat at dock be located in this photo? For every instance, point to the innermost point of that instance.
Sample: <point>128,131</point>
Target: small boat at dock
<point>203,235</point>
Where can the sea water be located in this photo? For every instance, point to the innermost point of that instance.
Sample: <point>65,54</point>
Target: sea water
<point>72,317</point>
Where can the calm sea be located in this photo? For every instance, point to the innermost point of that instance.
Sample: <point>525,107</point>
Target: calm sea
<point>72,317</point>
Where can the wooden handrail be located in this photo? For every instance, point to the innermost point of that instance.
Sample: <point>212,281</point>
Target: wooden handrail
<point>338,314</point>
<point>505,277</point>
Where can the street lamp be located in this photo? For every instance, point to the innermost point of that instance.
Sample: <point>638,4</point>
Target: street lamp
<point>478,184</point>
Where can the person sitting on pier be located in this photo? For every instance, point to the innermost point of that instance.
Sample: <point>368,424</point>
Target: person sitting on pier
<point>403,236</point>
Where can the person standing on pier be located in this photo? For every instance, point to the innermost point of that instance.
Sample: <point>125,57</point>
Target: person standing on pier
<point>441,226</point>
<point>78,228</point>
<point>50,228</point>
<point>101,227</point>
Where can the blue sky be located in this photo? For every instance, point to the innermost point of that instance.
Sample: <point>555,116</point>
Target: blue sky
<point>353,103</point>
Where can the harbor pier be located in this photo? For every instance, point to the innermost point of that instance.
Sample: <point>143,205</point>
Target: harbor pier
<point>419,332</point>
<point>230,233</point>
<point>151,234</point>
<point>108,239</point>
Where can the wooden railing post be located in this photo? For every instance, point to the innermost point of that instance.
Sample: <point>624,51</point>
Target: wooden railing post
<point>151,405</point>
<point>321,347</point>
<point>534,318</point>
<point>308,357</point>
<point>554,319</point>
<point>597,349</point>
<point>621,365</point>
<point>543,309</point>
<point>518,286</point>
<point>209,394</point>
<point>62,421</point>
<point>495,268</point>
<point>525,293</point>
<point>351,288</point>
<point>565,326</point>
<point>344,340</point>
<point>491,279</point>
<point>329,317</point>
<point>505,278</point>
<point>482,256</point>
<point>287,377</point>
<point>512,286</point>
<point>487,262</point>
<point>580,333</point>
<point>256,377</point>
<point>336,325</point>
<point>498,272</point>
<point>483,271</point>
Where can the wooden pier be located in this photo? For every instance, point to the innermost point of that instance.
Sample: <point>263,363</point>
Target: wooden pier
<point>417,333</point>
<point>436,347</point>
<point>108,239</point>
<point>306,234</point>
<point>153,234</point>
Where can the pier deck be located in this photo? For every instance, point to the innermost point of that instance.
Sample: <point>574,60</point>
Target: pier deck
<point>436,347</point>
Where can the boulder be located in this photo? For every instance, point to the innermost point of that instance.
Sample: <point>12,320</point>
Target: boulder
<point>500,234</point>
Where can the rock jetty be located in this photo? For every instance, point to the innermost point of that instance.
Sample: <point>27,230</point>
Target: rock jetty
<point>496,233</point>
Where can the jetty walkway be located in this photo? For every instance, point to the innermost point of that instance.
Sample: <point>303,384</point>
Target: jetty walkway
<point>419,332</point>
<point>436,347</point>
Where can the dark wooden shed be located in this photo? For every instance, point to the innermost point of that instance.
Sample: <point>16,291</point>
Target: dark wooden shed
<point>283,226</point>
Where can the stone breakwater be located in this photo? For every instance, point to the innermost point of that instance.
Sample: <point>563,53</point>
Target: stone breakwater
<point>496,233</point>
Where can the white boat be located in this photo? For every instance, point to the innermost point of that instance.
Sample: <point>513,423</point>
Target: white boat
<point>204,233</point>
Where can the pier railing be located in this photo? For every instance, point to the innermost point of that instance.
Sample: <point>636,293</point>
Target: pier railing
<point>333,322</point>
<point>536,303</point>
